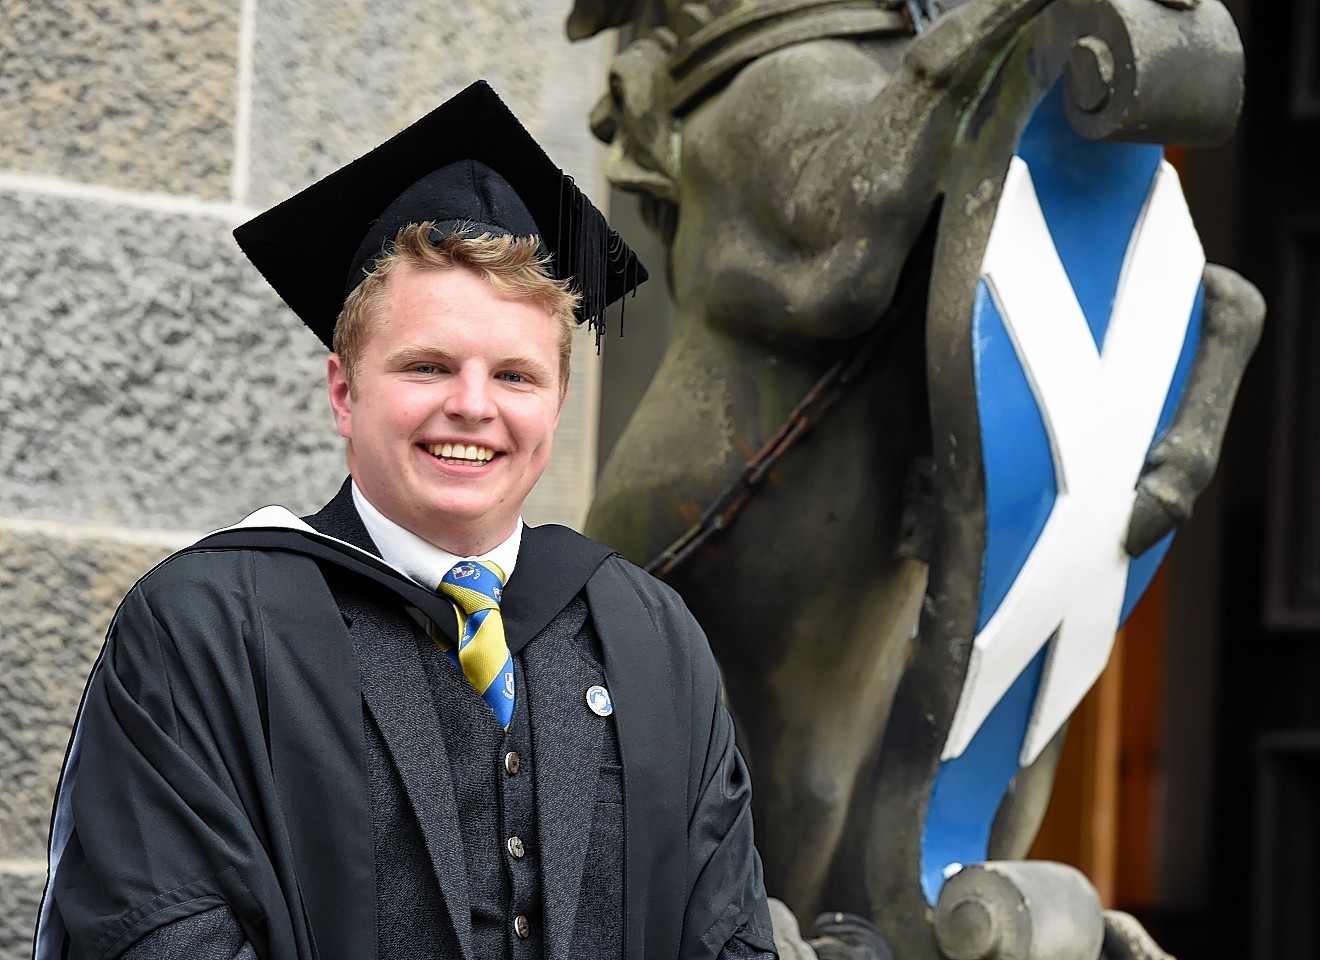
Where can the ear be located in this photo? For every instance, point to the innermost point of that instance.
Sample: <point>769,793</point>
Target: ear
<point>341,397</point>
<point>563,395</point>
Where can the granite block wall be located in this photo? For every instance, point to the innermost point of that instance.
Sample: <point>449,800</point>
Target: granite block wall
<point>151,386</point>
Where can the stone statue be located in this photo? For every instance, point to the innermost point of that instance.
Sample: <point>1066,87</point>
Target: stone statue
<point>864,204</point>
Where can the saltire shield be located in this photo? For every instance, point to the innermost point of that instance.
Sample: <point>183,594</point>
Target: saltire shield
<point>1056,373</point>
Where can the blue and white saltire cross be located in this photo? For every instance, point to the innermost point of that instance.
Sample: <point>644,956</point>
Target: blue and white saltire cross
<point>1086,322</point>
<point>475,588</point>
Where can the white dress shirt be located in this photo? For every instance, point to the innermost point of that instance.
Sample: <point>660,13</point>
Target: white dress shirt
<point>424,561</point>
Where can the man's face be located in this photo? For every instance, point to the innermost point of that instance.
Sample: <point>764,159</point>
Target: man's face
<point>454,407</point>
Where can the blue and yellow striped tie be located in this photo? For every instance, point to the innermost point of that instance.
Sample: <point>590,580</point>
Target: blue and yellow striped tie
<point>474,587</point>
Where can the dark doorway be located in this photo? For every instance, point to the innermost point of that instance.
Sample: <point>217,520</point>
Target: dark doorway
<point>1259,203</point>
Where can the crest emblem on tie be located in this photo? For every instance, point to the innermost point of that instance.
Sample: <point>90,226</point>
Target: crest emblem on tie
<point>464,570</point>
<point>498,594</point>
<point>508,684</point>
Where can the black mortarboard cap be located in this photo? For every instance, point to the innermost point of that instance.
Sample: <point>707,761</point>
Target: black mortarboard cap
<point>467,161</point>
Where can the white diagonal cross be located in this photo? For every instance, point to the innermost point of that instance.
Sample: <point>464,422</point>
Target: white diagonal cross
<point>1100,409</point>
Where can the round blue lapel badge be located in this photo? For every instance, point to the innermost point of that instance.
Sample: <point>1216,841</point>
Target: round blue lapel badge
<point>598,699</point>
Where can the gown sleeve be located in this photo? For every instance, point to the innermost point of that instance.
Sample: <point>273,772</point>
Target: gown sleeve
<point>687,790</point>
<point>166,785</point>
<point>728,890</point>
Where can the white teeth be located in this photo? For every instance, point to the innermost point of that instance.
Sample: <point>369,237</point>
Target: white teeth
<point>461,451</point>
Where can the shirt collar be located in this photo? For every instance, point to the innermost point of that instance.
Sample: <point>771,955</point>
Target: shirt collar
<point>420,559</point>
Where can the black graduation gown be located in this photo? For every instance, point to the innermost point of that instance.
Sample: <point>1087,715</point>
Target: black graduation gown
<point>218,754</point>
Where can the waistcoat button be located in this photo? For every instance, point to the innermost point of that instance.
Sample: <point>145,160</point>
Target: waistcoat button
<point>522,927</point>
<point>516,848</point>
<point>512,762</point>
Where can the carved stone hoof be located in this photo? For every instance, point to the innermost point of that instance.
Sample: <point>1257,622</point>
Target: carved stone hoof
<point>1160,507</point>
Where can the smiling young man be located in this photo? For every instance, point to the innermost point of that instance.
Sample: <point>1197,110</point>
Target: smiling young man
<point>411,726</point>
<point>449,372</point>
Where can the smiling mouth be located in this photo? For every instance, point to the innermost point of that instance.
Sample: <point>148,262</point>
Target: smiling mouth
<point>459,453</point>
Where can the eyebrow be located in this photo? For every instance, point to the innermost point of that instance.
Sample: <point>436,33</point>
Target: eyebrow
<point>524,363</point>
<point>417,352</point>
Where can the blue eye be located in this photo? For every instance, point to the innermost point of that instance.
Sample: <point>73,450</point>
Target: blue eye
<point>513,377</point>
<point>426,368</point>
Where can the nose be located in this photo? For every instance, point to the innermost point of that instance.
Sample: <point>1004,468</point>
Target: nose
<point>470,396</point>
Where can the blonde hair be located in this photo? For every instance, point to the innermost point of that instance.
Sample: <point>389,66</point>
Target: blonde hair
<point>514,266</point>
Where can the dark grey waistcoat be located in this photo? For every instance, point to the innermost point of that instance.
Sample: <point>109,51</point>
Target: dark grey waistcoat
<point>491,805</point>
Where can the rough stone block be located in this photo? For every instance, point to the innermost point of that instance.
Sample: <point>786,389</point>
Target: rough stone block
<point>59,587</point>
<point>149,376</point>
<point>133,95</point>
<point>333,78</point>
<point>20,896</point>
